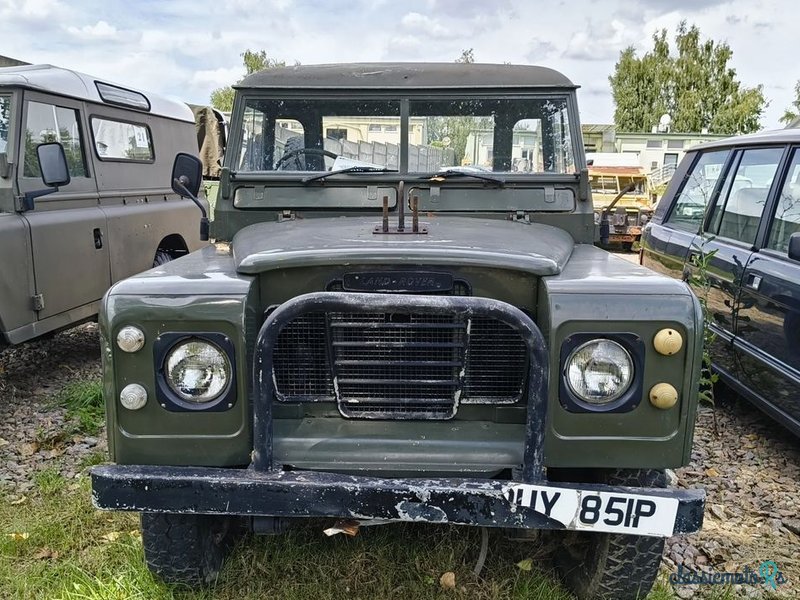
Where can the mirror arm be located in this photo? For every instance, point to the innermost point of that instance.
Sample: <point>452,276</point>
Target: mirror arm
<point>204,219</point>
<point>29,197</point>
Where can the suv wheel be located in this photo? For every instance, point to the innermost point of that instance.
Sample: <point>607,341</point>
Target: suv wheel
<point>612,565</point>
<point>187,549</point>
<point>162,257</point>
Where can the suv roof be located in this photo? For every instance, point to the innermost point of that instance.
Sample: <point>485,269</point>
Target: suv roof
<point>776,136</point>
<point>66,82</point>
<point>406,76</point>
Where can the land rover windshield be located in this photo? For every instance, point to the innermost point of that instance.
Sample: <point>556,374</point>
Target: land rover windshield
<point>514,136</point>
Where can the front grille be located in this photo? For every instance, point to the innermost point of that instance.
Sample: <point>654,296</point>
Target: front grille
<point>399,365</point>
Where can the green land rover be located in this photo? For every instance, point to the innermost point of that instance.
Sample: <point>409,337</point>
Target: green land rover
<point>397,323</point>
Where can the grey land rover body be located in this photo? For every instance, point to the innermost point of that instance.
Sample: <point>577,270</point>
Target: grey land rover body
<point>117,216</point>
<point>396,324</point>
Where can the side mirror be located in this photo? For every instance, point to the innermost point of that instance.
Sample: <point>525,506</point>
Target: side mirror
<point>794,246</point>
<point>187,174</point>
<point>54,169</point>
<point>53,164</point>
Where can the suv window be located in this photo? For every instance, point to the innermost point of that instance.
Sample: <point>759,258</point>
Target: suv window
<point>738,211</point>
<point>787,212</point>
<point>50,123</point>
<point>5,115</point>
<point>119,140</point>
<point>691,202</point>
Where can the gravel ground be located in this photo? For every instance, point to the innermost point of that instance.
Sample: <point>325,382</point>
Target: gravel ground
<point>749,466</point>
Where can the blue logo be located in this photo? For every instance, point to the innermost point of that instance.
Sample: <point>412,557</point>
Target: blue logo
<point>768,574</point>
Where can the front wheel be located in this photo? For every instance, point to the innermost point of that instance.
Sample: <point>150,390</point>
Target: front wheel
<point>187,549</point>
<point>611,565</point>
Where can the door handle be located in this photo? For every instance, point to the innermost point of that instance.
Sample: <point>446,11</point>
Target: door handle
<point>98,238</point>
<point>753,281</point>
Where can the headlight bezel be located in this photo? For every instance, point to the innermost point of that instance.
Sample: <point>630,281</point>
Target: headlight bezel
<point>629,400</point>
<point>167,397</point>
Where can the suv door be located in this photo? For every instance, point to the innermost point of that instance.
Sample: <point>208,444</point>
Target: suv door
<point>768,327</point>
<point>730,233</point>
<point>67,228</point>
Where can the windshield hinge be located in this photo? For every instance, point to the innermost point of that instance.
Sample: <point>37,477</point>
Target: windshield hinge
<point>519,215</point>
<point>286,215</point>
<point>38,302</point>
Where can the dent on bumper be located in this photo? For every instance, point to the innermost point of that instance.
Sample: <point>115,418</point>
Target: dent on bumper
<point>489,503</point>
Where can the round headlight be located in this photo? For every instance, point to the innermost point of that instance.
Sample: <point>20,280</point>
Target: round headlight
<point>599,371</point>
<point>197,371</point>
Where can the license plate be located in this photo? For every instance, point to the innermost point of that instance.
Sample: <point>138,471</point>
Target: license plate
<point>613,512</point>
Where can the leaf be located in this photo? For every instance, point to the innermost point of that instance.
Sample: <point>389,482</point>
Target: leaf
<point>18,501</point>
<point>712,472</point>
<point>19,537</point>
<point>112,536</point>
<point>525,565</point>
<point>29,448</point>
<point>448,580</point>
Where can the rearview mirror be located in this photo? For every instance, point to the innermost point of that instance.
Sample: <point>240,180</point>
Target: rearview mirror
<point>794,246</point>
<point>53,164</point>
<point>187,174</point>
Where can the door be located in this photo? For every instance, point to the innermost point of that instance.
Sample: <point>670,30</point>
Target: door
<point>666,241</point>
<point>768,327</point>
<point>728,241</point>
<point>67,228</point>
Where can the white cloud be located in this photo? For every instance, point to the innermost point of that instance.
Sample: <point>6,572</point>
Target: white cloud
<point>99,30</point>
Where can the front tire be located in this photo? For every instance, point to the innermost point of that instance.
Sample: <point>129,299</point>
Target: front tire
<point>162,257</point>
<point>187,549</point>
<point>612,565</point>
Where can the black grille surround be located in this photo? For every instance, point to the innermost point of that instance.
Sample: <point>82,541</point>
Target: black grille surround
<point>399,364</point>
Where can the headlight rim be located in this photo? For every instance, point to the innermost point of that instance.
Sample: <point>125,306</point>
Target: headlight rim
<point>167,397</point>
<point>628,400</point>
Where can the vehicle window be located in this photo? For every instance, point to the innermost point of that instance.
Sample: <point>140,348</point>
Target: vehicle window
<point>5,116</point>
<point>308,135</point>
<point>787,212</point>
<point>49,123</point>
<point>691,202</point>
<point>531,135</point>
<point>119,140</point>
<point>603,184</point>
<point>737,213</point>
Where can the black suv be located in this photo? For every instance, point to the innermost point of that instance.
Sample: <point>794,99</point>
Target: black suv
<point>737,201</point>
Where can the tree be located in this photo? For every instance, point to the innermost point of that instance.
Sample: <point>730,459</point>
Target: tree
<point>694,85</point>
<point>222,98</point>
<point>466,56</point>
<point>793,112</point>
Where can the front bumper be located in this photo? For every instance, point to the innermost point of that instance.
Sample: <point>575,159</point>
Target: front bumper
<point>480,502</point>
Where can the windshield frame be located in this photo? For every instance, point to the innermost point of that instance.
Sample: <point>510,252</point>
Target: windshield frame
<point>404,97</point>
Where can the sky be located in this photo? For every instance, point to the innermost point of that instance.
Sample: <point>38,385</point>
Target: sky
<point>186,48</point>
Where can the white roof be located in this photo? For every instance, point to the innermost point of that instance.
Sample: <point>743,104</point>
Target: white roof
<point>66,82</point>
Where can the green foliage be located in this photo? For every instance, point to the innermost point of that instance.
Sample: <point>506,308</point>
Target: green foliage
<point>791,113</point>
<point>222,98</point>
<point>467,56</point>
<point>702,283</point>
<point>694,85</point>
<point>84,403</point>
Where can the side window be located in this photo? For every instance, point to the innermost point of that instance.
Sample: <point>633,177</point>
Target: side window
<point>738,211</point>
<point>5,116</point>
<point>49,123</point>
<point>119,140</point>
<point>787,212</point>
<point>691,202</point>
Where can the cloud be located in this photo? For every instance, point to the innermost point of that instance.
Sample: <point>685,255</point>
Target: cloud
<point>100,30</point>
<point>540,50</point>
<point>600,42</point>
<point>29,10</point>
<point>421,24</point>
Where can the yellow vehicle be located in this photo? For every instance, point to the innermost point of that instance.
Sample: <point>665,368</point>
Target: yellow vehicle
<point>631,211</point>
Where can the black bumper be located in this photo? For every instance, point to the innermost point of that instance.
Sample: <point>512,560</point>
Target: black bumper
<point>488,503</point>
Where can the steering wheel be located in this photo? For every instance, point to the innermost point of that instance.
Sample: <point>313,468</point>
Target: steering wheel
<point>295,153</point>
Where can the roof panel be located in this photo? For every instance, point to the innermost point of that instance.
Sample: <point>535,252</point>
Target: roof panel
<point>406,76</point>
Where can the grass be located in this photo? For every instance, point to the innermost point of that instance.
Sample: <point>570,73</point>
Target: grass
<point>56,546</point>
<point>84,403</point>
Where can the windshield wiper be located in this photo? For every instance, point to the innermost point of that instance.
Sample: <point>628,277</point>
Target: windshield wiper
<point>355,169</point>
<point>447,173</point>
